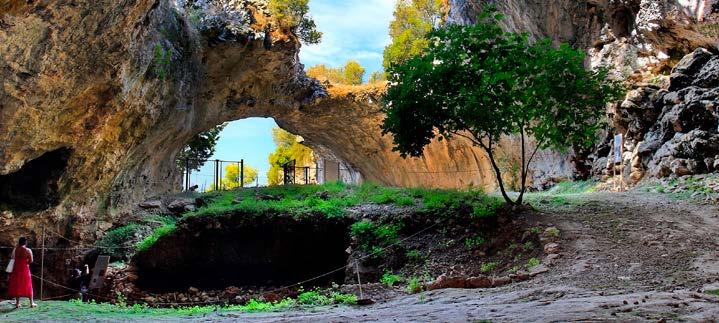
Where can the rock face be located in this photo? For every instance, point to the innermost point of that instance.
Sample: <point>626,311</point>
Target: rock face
<point>672,130</point>
<point>637,37</point>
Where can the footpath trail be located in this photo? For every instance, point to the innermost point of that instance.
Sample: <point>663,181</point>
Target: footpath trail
<point>626,256</point>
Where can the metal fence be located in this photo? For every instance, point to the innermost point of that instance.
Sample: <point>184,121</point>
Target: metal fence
<point>216,179</point>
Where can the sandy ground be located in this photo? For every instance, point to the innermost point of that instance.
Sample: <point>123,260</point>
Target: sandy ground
<point>627,256</point>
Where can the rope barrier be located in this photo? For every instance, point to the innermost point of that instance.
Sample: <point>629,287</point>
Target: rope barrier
<point>375,252</point>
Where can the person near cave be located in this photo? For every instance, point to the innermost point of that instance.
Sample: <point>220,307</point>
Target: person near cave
<point>80,281</point>
<point>20,284</point>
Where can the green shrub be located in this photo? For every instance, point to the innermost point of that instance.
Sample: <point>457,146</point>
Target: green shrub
<point>488,266</point>
<point>414,285</point>
<point>390,279</point>
<point>528,246</point>
<point>313,297</point>
<point>553,232</point>
<point>371,237</point>
<point>340,298</point>
<point>532,262</point>
<point>116,240</point>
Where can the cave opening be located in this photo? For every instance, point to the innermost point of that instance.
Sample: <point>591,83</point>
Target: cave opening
<point>34,187</point>
<point>622,22</point>
<point>264,252</point>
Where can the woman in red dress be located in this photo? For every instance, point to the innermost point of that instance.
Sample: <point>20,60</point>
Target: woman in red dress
<point>20,284</point>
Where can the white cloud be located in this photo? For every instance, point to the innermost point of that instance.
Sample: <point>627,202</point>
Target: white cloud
<point>353,29</point>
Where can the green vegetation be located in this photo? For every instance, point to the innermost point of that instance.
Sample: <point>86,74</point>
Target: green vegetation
<point>414,285</point>
<point>331,200</point>
<point>475,242</point>
<point>390,279</point>
<point>294,15</point>
<point>553,232</point>
<point>573,187</point>
<point>413,19</point>
<point>199,149</point>
<point>289,148</point>
<point>416,256</point>
<point>377,76</point>
<point>351,74</point>
<point>488,266</point>
<point>714,292</point>
<point>232,176</point>
<point>532,262</point>
<point>91,311</point>
<point>372,237</point>
<point>115,240</point>
<point>162,61</point>
<point>481,83</point>
<point>528,246</point>
<point>156,235</point>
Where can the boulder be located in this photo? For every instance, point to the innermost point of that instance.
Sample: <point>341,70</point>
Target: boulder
<point>150,204</point>
<point>181,205</point>
<point>551,248</point>
<point>479,282</point>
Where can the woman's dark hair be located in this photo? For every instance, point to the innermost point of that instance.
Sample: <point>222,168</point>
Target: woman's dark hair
<point>22,241</point>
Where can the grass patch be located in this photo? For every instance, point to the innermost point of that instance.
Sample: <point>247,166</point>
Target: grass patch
<point>372,237</point>
<point>714,292</point>
<point>573,187</point>
<point>415,255</point>
<point>160,232</point>
<point>414,285</point>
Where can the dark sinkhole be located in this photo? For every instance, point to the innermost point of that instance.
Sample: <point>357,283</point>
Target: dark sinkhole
<point>245,250</point>
<point>34,187</point>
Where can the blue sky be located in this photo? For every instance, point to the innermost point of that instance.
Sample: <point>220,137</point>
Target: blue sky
<point>353,29</point>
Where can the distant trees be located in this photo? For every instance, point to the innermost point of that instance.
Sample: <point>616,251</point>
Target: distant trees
<point>294,15</point>
<point>377,76</point>
<point>199,149</point>
<point>231,179</point>
<point>480,83</point>
<point>352,73</point>
<point>289,147</point>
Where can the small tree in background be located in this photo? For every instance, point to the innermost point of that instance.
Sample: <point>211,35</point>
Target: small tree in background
<point>232,176</point>
<point>413,19</point>
<point>354,73</point>
<point>377,76</point>
<point>294,15</point>
<point>480,83</point>
<point>289,147</point>
<point>199,149</point>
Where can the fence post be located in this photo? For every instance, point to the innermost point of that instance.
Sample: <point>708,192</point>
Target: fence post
<point>42,265</point>
<point>339,172</point>
<point>219,179</point>
<point>307,175</point>
<point>242,173</point>
<point>294,171</point>
<point>217,164</point>
<point>187,174</point>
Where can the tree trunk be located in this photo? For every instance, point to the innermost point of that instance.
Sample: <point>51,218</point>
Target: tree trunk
<point>498,173</point>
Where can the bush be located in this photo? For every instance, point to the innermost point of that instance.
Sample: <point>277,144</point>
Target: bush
<point>313,297</point>
<point>414,285</point>
<point>294,15</point>
<point>390,279</point>
<point>116,240</point>
<point>371,237</point>
<point>532,262</point>
<point>488,266</point>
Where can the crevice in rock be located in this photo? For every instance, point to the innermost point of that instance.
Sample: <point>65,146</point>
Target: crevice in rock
<point>622,22</point>
<point>34,187</point>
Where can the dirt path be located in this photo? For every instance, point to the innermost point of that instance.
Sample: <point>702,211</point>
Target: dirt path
<point>630,256</point>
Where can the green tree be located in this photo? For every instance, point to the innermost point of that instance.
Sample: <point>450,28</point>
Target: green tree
<point>289,147</point>
<point>294,15</point>
<point>353,72</point>
<point>413,19</point>
<point>377,76</point>
<point>480,83</point>
<point>322,72</point>
<point>199,149</point>
<point>231,179</point>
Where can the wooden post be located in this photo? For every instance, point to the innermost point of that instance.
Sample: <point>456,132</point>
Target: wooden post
<point>358,280</point>
<point>42,265</point>
<point>242,173</point>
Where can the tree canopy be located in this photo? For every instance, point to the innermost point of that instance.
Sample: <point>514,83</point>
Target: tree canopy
<point>289,147</point>
<point>199,149</point>
<point>413,19</point>
<point>232,176</point>
<point>480,83</point>
<point>294,15</point>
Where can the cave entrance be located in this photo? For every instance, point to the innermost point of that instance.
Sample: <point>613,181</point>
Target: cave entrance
<point>34,187</point>
<point>622,22</point>
<point>253,152</point>
<point>247,250</point>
